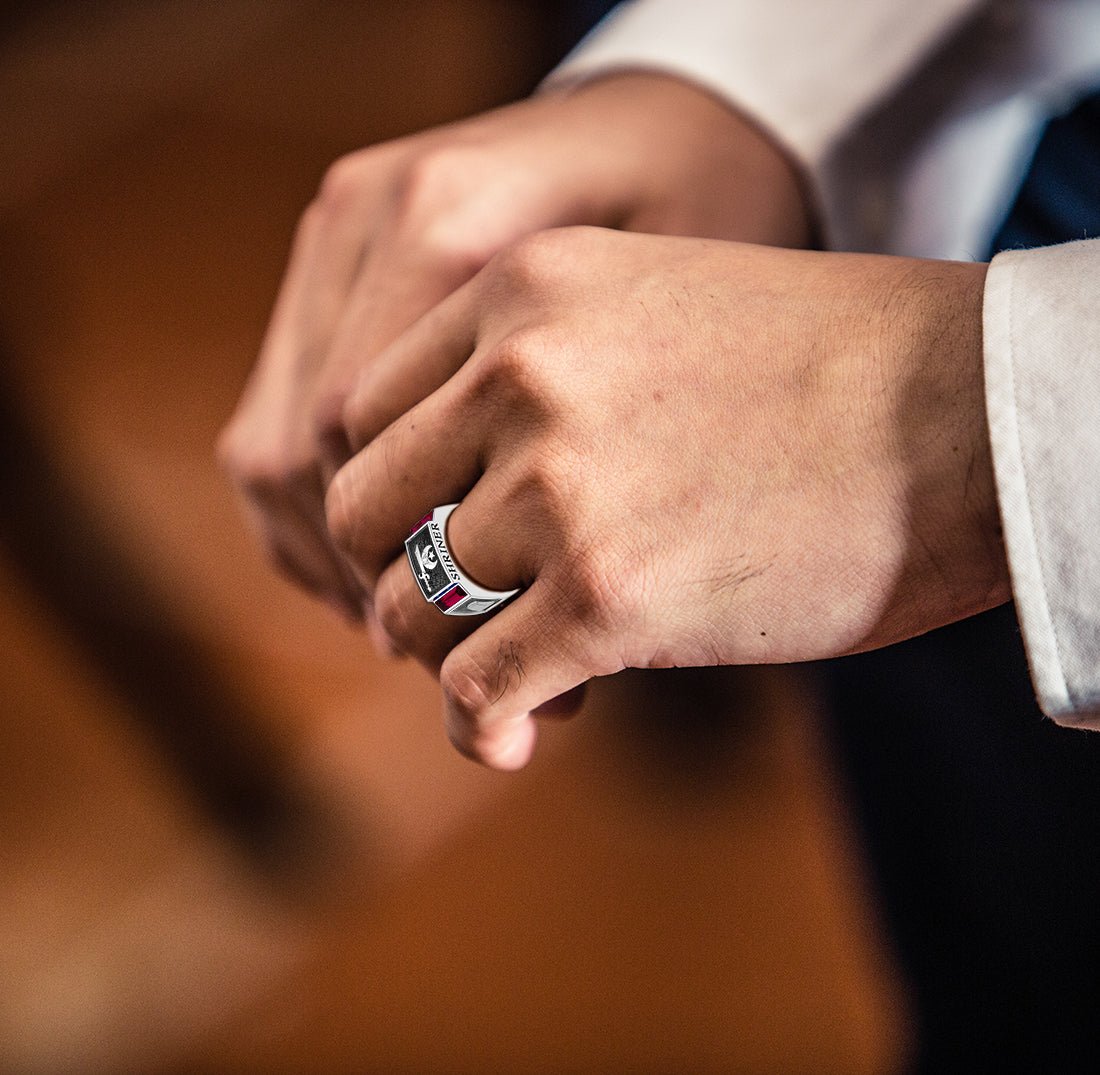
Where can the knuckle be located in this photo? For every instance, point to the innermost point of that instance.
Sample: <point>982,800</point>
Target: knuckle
<point>430,179</point>
<point>601,592</point>
<point>264,469</point>
<point>592,592</point>
<point>466,687</point>
<point>534,262</point>
<point>433,211</point>
<point>545,489</point>
<point>518,372</point>
<point>449,244</point>
<point>540,262</point>
<point>341,186</point>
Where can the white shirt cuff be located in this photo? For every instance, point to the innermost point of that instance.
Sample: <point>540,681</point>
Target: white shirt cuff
<point>1042,367</point>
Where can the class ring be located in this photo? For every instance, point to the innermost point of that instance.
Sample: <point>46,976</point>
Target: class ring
<point>440,579</point>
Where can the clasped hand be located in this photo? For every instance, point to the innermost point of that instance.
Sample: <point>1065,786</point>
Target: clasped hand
<point>687,451</point>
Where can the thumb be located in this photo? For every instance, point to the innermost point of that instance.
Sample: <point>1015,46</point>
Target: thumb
<point>522,659</point>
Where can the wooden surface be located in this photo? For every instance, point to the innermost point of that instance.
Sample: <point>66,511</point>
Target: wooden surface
<point>230,838</point>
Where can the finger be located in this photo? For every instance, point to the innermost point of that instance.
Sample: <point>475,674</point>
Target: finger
<point>329,247</point>
<point>492,557</point>
<point>532,652</point>
<point>402,278</point>
<point>431,455</point>
<point>417,628</point>
<point>414,626</point>
<point>303,552</point>
<point>282,500</point>
<point>411,368</point>
<point>501,557</point>
<point>268,446</point>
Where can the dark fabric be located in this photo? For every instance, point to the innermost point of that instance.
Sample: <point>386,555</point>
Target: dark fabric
<point>981,820</point>
<point>980,817</point>
<point>569,20</point>
<point>1060,197</point>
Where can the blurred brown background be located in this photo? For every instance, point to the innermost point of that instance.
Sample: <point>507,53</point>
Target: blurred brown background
<point>230,838</point>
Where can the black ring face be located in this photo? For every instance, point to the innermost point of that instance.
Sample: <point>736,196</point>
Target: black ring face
<point>441,582</point>
<point>429,562</point>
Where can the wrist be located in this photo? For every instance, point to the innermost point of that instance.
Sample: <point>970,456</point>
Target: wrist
<point>688,163</point>
<point>942,435</point>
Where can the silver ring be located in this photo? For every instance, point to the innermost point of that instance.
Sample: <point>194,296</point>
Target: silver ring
<point>440,579</point>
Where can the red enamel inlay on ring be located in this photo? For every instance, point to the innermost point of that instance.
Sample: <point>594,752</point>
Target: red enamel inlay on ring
<point>452,598</point>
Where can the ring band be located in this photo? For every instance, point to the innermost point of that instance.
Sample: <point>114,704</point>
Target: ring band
<point>440,580</point>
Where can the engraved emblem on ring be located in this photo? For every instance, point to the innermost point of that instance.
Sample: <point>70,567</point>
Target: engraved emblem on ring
<point>438,576</point>
<point>425,556</point>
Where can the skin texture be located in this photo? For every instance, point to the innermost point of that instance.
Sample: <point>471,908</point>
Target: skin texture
<point>688,452</point>
<point>397,227</point>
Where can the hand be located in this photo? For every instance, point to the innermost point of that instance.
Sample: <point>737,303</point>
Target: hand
<point>688,452</point>
<point>397,227</point>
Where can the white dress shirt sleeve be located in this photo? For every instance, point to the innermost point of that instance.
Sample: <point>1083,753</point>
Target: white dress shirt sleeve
<point>805,70</point>
<point>1042,358</point>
